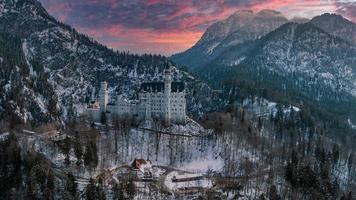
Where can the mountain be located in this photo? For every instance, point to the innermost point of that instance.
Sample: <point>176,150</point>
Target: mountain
<point>242,26</point>
<point>337,26</point>
<point>298,60</point>
<point>308,63</point>
<point>48,68</point>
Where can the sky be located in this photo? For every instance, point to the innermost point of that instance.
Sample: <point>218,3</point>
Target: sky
<point>170,26</point>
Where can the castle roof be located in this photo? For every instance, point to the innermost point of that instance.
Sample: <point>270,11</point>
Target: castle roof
<point>159,87</point>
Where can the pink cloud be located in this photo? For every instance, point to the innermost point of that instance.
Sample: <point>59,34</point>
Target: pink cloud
<point>165,26</point>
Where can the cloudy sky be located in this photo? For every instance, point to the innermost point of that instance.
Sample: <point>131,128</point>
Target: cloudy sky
<point>170,26</point>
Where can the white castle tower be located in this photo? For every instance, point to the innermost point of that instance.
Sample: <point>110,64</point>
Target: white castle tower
<point>103,96</point>
<point>167,94</point>
<point>92,99</point>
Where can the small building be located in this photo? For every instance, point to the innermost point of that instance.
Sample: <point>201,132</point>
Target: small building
<point>143,166</point>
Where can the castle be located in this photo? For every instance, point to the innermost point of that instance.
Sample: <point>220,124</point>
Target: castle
<point>160,100</point>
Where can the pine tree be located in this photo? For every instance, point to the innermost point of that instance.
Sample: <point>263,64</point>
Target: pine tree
<point>71,186</point>
<point>50,186</point>
<point>91,191</point>
<point>262,197</point>
<point>91,154</point>
<point>100,190</point>
<point>103,118</point>
<point>273,194</point>
<point>66,150</point>
<point>118,193</point>
<point>130,189</point>
<point>335,154</point>
<point>78,148</point>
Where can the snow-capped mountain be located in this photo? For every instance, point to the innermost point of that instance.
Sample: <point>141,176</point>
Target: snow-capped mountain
<point>242,26</point>
<point>56,67</point>
<point>337,26</point>
<point>322,66</point>
<point>313,61</point>
<point>300,60</point>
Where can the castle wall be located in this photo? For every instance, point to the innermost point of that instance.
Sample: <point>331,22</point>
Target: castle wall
<point>93,115</point>
<point>178,107</point>
<point>153,102</point>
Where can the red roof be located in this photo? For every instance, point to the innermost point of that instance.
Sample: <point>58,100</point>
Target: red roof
<point>137,162</point>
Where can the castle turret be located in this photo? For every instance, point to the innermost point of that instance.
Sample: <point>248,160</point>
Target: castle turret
<point>92,99</point>
<point>167,94</point>
<point>103,96</point>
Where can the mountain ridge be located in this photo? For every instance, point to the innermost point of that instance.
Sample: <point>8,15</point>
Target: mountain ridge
<point>316,65</point>
<point>240,27</point>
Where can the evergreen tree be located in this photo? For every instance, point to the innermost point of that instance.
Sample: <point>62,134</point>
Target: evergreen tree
<point>50,186</point>
<point>66,150</point>
<point>78,148</point>
<point>130,189</point>
<point>91,154</point>
<point>100,190</point>
<point>71,186</point>
<point>350,162</point>
<point>335,154</point>
<point>91,192</point>
<point>273,193</point>
<point>103,118</point>
<point>118,193</point>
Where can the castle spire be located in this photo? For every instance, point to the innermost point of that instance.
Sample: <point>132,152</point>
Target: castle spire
<point>167,94</point>
<point>103,96</point>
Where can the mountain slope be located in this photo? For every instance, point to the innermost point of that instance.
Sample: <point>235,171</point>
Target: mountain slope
<point>299,60</point>
<point>74,63</point>
<point>240,27</point>
<point>337,26</point>
<point>23,97</point>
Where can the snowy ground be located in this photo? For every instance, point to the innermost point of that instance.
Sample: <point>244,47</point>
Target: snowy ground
<point>204,165</point>
<point>171,155</point>
<point>4,136</point>
<point>203,183</point>
<point>190,128</point>
<point>264,108</point>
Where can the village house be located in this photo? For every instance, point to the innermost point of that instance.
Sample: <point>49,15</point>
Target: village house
<point>144,166</point>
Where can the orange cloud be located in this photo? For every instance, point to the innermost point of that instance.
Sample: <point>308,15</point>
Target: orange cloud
<point>145,41</point>
<point>165,26</point>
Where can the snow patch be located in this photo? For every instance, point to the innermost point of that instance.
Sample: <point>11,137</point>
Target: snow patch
<point>238,61</point>
<point>204,165</point>
<point>190,128</point>
<point>28,57</point>
<point>4,136</point>
<point>41,104</point>
<point>212,47</point>
<point>353,126</point>
<point>201,183</point>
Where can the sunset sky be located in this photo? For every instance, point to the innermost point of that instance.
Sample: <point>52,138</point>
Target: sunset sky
<point>171,26</point>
